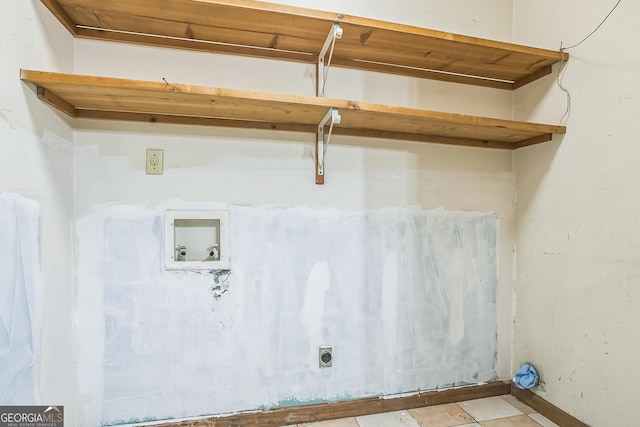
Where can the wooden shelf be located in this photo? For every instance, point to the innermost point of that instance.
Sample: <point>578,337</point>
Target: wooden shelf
<point>159,102</point>
<point>247,27</point>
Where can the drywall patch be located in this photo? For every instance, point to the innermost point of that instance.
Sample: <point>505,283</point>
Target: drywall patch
<point>21,304</point>
<point>312,312</point>
<point>89,317</point>
<point>406,298</point>
<point>51,139</point>
<point>389,309</point>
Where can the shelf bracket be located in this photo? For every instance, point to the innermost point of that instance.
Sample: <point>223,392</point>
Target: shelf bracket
<point>322,70</point>
<point>321,146</point>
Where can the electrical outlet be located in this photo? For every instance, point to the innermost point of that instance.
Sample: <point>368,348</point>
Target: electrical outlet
<point>325,356</point>
<point>154,161</point>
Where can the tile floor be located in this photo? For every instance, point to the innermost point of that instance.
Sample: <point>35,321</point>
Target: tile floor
<point>499,411</point>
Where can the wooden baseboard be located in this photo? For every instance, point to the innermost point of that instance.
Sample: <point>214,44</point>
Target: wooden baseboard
<point>346,409</point>
<point>545,408</point>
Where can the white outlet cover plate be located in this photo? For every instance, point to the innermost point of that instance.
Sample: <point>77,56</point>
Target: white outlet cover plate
<point>155,161</point>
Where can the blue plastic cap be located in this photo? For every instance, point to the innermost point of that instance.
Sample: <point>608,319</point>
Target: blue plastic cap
<point>526,377</point>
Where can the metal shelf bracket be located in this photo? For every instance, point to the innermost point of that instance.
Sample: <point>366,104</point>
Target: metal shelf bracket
<point>334,117</point>
<point>322,69</point>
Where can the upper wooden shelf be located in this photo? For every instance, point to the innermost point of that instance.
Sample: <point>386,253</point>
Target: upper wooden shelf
<point>133,100</point>
<point>247,27</point>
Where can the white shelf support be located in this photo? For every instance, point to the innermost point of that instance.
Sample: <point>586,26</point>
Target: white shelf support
<point>321,146</point>
<point>322,69</point>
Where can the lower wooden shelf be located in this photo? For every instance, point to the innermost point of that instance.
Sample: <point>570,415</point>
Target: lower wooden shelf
<point>160,102</point>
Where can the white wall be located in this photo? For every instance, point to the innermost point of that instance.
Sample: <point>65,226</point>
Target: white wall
<point>406,298</point>
<point>576,256</point>
<point>231,166</point>
<point>36,161</point>
<point>267,168</point>
<point>577,222</point>
<point>21,305</point>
